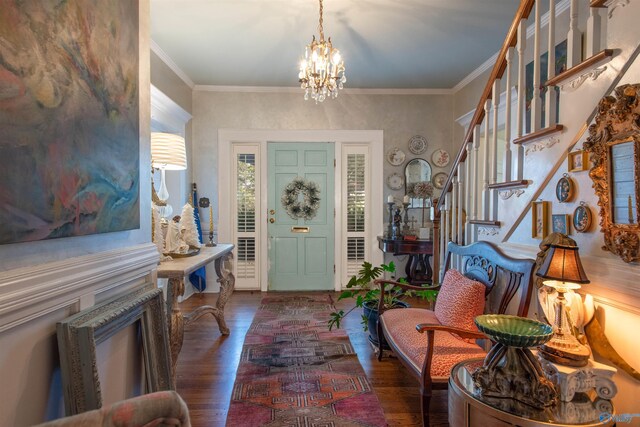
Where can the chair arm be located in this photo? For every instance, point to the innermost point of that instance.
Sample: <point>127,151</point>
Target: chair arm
<point>462,333</point>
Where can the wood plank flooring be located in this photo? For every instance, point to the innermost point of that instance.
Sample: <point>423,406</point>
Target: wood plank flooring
<point>208,362</point>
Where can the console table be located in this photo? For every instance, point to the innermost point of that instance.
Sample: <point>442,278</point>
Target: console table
<point>175,270</point>
<point>418,268</point>
<point>468,408</point>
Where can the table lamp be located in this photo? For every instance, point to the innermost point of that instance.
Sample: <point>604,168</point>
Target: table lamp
<point>167,153</point>
<point>563,270</point>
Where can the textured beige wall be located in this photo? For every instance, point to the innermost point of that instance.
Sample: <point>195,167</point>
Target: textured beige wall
<point>399,116</point>
<point>169,83</point>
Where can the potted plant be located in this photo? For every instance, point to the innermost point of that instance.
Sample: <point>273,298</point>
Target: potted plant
<point>368,297</point>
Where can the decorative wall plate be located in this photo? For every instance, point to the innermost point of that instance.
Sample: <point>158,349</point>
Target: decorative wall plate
<point>564,189</point>
<point>395,156</point>
<point>582,218</point>
<point>440,158</point>
<point>395,181</point>
<point>439,179</point>
<point>417,144</point>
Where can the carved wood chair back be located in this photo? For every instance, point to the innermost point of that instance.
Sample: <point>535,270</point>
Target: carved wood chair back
<point>508,280</point>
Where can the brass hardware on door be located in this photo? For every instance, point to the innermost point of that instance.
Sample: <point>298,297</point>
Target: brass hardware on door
<point>300,229</point>
<point>272,212</point>
<point>272,220</point>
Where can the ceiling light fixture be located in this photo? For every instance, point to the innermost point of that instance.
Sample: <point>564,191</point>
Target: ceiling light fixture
<point>322,69</point>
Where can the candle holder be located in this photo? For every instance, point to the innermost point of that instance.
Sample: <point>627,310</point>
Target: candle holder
<point>211,243</point>
<point>390,227</point>
<point>406,229</point>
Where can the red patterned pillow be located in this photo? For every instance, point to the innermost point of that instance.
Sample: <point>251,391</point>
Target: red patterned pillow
<point>459,301</point>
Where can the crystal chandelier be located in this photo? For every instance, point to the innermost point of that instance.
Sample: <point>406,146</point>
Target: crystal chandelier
<point>322,69</point>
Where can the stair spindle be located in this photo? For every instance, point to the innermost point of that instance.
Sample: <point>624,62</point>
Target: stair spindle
<point>461,205</point>
<point>476,172</point>
<point>594,31</point>
<point>486,161</point>
<point>574,37</point>
<point>506,169</point>
<point>493,161</point>
<point>522,91</point>
<point>468,191</point>
<point>551,100</point>
<point>536,105</point>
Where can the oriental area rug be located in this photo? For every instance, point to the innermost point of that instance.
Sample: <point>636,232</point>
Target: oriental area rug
<point>293,371</point>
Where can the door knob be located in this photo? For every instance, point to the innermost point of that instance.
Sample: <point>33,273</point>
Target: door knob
<point>272,212</point>
<point>272,220</point>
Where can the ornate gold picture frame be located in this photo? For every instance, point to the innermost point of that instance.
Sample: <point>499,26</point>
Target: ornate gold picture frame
<point>614,148</point>
<point>578,161</point>
<point>539,219</point>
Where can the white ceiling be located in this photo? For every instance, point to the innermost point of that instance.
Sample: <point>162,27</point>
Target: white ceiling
<point>385,43</point>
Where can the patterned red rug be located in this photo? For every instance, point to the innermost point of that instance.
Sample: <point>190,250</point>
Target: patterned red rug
<point>295,372</point>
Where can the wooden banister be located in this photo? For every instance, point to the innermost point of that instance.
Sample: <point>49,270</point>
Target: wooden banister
<point>523,12</point>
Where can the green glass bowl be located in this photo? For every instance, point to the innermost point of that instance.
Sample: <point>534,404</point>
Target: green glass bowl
<point>514,331</point>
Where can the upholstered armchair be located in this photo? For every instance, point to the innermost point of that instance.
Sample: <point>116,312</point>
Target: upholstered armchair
<point>431,342</point>
<point>159,409</point>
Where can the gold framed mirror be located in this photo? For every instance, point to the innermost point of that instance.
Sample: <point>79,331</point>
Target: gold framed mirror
<point>614,147</point>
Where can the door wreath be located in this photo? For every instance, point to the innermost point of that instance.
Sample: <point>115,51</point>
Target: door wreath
<point>308,206</point>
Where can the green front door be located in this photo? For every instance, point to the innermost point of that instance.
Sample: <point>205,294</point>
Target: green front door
<point>301,249</point>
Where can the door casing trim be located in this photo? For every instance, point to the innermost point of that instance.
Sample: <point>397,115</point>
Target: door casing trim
<point>372,138</point>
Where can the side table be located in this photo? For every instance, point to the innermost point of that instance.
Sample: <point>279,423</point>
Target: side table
<point>176,270</point>
<point>468,408</point>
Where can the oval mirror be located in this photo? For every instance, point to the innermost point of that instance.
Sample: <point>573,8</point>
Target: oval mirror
<point>417,170</point>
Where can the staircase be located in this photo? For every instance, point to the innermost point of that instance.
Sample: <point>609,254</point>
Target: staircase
<point>534,110</point>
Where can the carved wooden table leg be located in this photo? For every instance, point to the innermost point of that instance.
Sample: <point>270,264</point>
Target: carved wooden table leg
<point>176,322</point>
<point>227,282</point>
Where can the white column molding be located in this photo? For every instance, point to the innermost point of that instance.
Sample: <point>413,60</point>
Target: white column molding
<point>594,30</point>
<point>468,191</point>
<point>486,161</point>
<point>506,169</point>
<point>520,47</point>
<point>476,172</point>
<point>536,105</point>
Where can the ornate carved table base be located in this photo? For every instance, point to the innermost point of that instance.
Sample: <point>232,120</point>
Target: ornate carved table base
<point>175,272</point>
<point>569,380</point>
<point>514,373</point>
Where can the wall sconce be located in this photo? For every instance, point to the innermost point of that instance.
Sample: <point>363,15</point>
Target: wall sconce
<point>168,152</point>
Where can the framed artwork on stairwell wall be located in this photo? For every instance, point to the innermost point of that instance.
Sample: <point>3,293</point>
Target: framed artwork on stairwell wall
<point>577,161</point>
<point>539,219</point>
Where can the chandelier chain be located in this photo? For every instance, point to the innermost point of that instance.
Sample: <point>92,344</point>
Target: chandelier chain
<point>320,29</point>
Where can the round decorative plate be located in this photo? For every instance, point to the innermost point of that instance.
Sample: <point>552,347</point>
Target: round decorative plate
<point>395,156</point>
<point>514,331</point>
<point>564,189</point>
<point>440,158</point>
<point>417,144</point>
<point>395,181</point>
<point>438,180</point>
<point>582,218</point>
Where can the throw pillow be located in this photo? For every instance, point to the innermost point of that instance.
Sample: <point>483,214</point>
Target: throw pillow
<point>459,301</point>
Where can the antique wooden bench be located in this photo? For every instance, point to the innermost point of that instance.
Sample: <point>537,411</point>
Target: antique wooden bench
<point>488,281</point>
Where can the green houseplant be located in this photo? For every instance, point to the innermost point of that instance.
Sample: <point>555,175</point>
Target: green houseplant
<point>367,297</point>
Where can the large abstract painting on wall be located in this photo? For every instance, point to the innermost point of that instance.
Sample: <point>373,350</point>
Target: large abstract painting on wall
<point>69,118</point>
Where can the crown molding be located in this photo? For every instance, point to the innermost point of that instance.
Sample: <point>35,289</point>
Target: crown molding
<point>172,65</point>
<point>297,90</point>
<point>544,20</point>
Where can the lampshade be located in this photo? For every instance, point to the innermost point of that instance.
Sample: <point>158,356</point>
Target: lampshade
<point>563,264</point>
<point>168,151</point>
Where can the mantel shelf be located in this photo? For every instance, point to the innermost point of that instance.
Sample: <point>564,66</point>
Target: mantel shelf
<point>485,222</point>
<point>588,64</point>
<point>533,136</point>
<point>507,185</point>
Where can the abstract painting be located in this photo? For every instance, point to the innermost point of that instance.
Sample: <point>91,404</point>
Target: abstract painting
<point>69,118</point>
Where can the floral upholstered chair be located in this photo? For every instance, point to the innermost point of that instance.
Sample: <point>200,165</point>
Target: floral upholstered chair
<point>159,409</point>
<point>488,282</point>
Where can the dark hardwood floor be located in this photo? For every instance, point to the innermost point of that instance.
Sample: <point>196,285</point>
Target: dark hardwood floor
<point>208,362</point>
